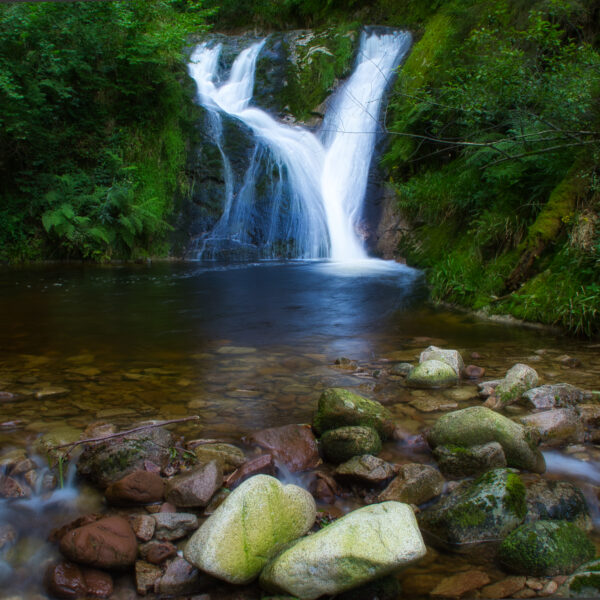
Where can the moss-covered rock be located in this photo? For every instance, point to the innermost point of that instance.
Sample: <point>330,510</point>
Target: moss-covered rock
<point>478,425</point>
<point>584,583</point>
<point>450,357</point>
<point>516,382</point>
<point>338,407</point>
<point>340,445</point>
<point>254,522</point>
<point>463,461</point>
<point>432,374</point>
<point>362,546</point>
<point>546,548</point>
<point>415,484</point>
<point>484,510</point>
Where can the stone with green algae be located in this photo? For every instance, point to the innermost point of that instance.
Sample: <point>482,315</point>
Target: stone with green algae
<point>365,545</point>
<point>546,549</point>
<point>340,445</point>
<point>253,523</point>
<point>432,374</point>
<point>339,407</point>
<point>584,583</point>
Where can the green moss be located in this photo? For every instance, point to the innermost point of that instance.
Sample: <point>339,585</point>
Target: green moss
<point>585,582</point>
<point>514,500</point>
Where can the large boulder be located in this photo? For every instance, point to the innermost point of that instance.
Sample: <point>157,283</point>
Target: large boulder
<point>479,425</point>
<point>340,445</point>
<point>556,395</point>
<point>293,445</point>
<point>557,500</point>
<point>556,427</point>
<point>255,521</point>
<point>338,407</point>
<point>516,382</point>
<point>106,544</point>
<point>362,546</point>
<point>450,357</point>
<point>195,488</point>
<point>415,484</point>
<point>107,462</point>
<point>432,374</point>
<point>546,548</point>
<point>484,510</point>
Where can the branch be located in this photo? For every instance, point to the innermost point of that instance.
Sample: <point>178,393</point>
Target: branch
<point>124,433</point>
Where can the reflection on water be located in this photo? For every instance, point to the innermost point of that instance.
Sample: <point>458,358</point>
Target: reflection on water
<point>243,347</point>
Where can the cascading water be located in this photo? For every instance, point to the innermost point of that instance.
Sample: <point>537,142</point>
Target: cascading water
<point>318,182</point>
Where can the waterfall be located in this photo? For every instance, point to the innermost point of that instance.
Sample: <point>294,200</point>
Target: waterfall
<point>318,181</point>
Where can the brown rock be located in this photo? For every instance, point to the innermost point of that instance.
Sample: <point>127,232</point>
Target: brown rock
<point>57,534</point>
<point>415,484</point>
<point>143,526</point>
<point>167,507</point>
<point>473,372</point>
<point>262,465</point>
<point>98,583</point>
<point>65,580</point>
<point>107,544</point>
<point>139,487</point>
<point>196,487</point>
<point>549,589</point>
<point>461,583</point>
<point>504,588</point>
<point>324,487</point>
<point>8,536</point>
<point>293,445</point>
<point>22,466</point>
<point>181,578</point>
<point>146,577</point>
<point>525,593</point>
<point>11,488</point>
<point>157,552</point>
<point>173,526</point>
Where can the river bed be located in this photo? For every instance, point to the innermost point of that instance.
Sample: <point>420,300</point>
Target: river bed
<point>243,347</point>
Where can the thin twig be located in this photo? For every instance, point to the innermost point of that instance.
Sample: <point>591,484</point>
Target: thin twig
<point>124,433</point>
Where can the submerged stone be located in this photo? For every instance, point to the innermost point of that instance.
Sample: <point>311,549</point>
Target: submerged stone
<point>338,407</point>
<point>366,544</point>
<point>546,548</point>
<point>255,521</point>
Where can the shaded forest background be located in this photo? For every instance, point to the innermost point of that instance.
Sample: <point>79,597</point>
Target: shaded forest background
<point>493,122</point>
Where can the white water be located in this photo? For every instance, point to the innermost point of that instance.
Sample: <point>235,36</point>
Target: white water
<point>326,174</point>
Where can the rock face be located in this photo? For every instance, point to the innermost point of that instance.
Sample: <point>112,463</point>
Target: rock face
<point>293,445</point>
<point>556,427</point>
<point>255,521</point>
<point>479,425</point>
<point>415,484</point>
<point>338,407</point>
<point>432,374</point>
<point>450,357</point>
<point>110,461</point>
<point>516,382</point>
<point>196,487</point>
<point>340,445</point>
<point>557,500</point>
<point>558,395</point>
<point>457,461</point>
<point>139,487</point>
<point>546,548</point>
<point>484,510</point>
<point>106,544</point>
<point>363,545</point>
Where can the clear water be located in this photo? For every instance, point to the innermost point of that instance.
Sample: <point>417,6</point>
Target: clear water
<point>244,348</point>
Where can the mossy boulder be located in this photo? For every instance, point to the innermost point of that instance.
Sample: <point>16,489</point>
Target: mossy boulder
<point>340,445</point>
<point>432,374</point>
<point>546,549</point>
<point>450,357</point>
<point>109,461</point>
<point>516,382</point>
<point>228,456</point>
<point>557,500</point>
<point>338,407</point>
<point>460,461</point>
<point>484,510</point>
<point>415,484</point>
<point>362,546</point>
<point>478,425</point>
<point>253,523</point>
<point>584,583</point>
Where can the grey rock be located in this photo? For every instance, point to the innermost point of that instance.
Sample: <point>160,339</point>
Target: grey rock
<point>174,526</point>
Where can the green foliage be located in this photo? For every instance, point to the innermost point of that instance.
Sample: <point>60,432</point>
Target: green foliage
<point>92,124</point>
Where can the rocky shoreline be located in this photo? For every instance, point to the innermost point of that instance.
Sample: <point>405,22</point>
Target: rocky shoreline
<point>206,519</point>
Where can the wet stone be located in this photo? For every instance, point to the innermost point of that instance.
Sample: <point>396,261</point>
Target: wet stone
<point>262,465</point>
<point>65,580</point>
<point>180,577</point>
<point>146,576</point>
<point>174,526</point>
<point>139,487</point>
<point>504,588</point>
<point>460,584</point>
<point>433,404</point>
<point>156,552</point>
<point>365,469</point>
<point>98,583</point>
<point>143,526</point>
